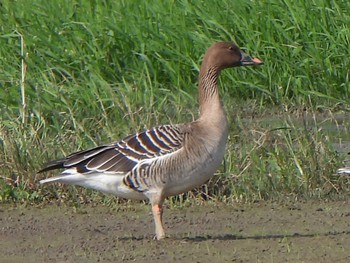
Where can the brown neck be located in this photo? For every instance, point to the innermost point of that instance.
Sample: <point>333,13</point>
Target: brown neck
<point>209,100</point>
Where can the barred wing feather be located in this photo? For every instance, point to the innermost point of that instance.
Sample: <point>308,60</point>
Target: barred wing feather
<point>121,157</point>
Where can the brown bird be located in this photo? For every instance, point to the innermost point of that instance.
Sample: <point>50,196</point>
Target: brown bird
<point>166,160</point>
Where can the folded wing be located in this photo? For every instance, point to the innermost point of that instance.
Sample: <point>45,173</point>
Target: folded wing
<point>123,156</point>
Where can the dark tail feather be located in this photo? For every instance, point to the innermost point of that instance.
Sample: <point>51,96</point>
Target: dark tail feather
<point>77,159</point>
<point>56,164</point>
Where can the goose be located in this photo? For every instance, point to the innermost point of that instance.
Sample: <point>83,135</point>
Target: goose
<point>345,170</point>
<point>166,160</point>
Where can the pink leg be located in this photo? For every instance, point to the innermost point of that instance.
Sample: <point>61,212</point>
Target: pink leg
<point>157,211</point>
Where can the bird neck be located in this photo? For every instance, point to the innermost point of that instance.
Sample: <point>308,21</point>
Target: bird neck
<point>209,100</point>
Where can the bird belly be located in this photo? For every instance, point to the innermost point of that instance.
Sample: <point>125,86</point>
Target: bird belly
<point>103,182</point>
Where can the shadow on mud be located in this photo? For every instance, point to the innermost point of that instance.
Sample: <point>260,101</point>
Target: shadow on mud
<point>237,237</point>
<point>257,237</point>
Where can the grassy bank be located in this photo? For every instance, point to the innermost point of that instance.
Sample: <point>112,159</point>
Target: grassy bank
<point>75,74</point>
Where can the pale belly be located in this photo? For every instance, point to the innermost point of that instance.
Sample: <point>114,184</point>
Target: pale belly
<point>106,183</point>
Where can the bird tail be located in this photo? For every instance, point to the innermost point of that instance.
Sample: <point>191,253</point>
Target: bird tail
<point>56,164</point>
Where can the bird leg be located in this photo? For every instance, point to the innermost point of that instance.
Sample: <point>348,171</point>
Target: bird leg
<point>157,211</point>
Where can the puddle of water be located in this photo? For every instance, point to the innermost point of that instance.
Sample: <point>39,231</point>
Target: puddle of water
<point>336,127</point>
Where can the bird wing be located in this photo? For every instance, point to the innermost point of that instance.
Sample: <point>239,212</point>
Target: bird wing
<point>123,156</point>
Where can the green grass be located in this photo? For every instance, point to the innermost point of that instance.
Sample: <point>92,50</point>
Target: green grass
<point>95,71</point>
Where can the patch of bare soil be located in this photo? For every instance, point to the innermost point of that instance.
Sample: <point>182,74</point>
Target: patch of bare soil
<point>260,232</point>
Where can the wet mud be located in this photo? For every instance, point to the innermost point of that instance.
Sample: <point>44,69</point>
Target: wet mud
<point>312,231</point>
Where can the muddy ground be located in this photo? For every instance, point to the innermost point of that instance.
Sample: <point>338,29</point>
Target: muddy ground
<point>260,232</point>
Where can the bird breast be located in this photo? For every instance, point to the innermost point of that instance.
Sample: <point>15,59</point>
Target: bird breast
<point>197,162</point>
